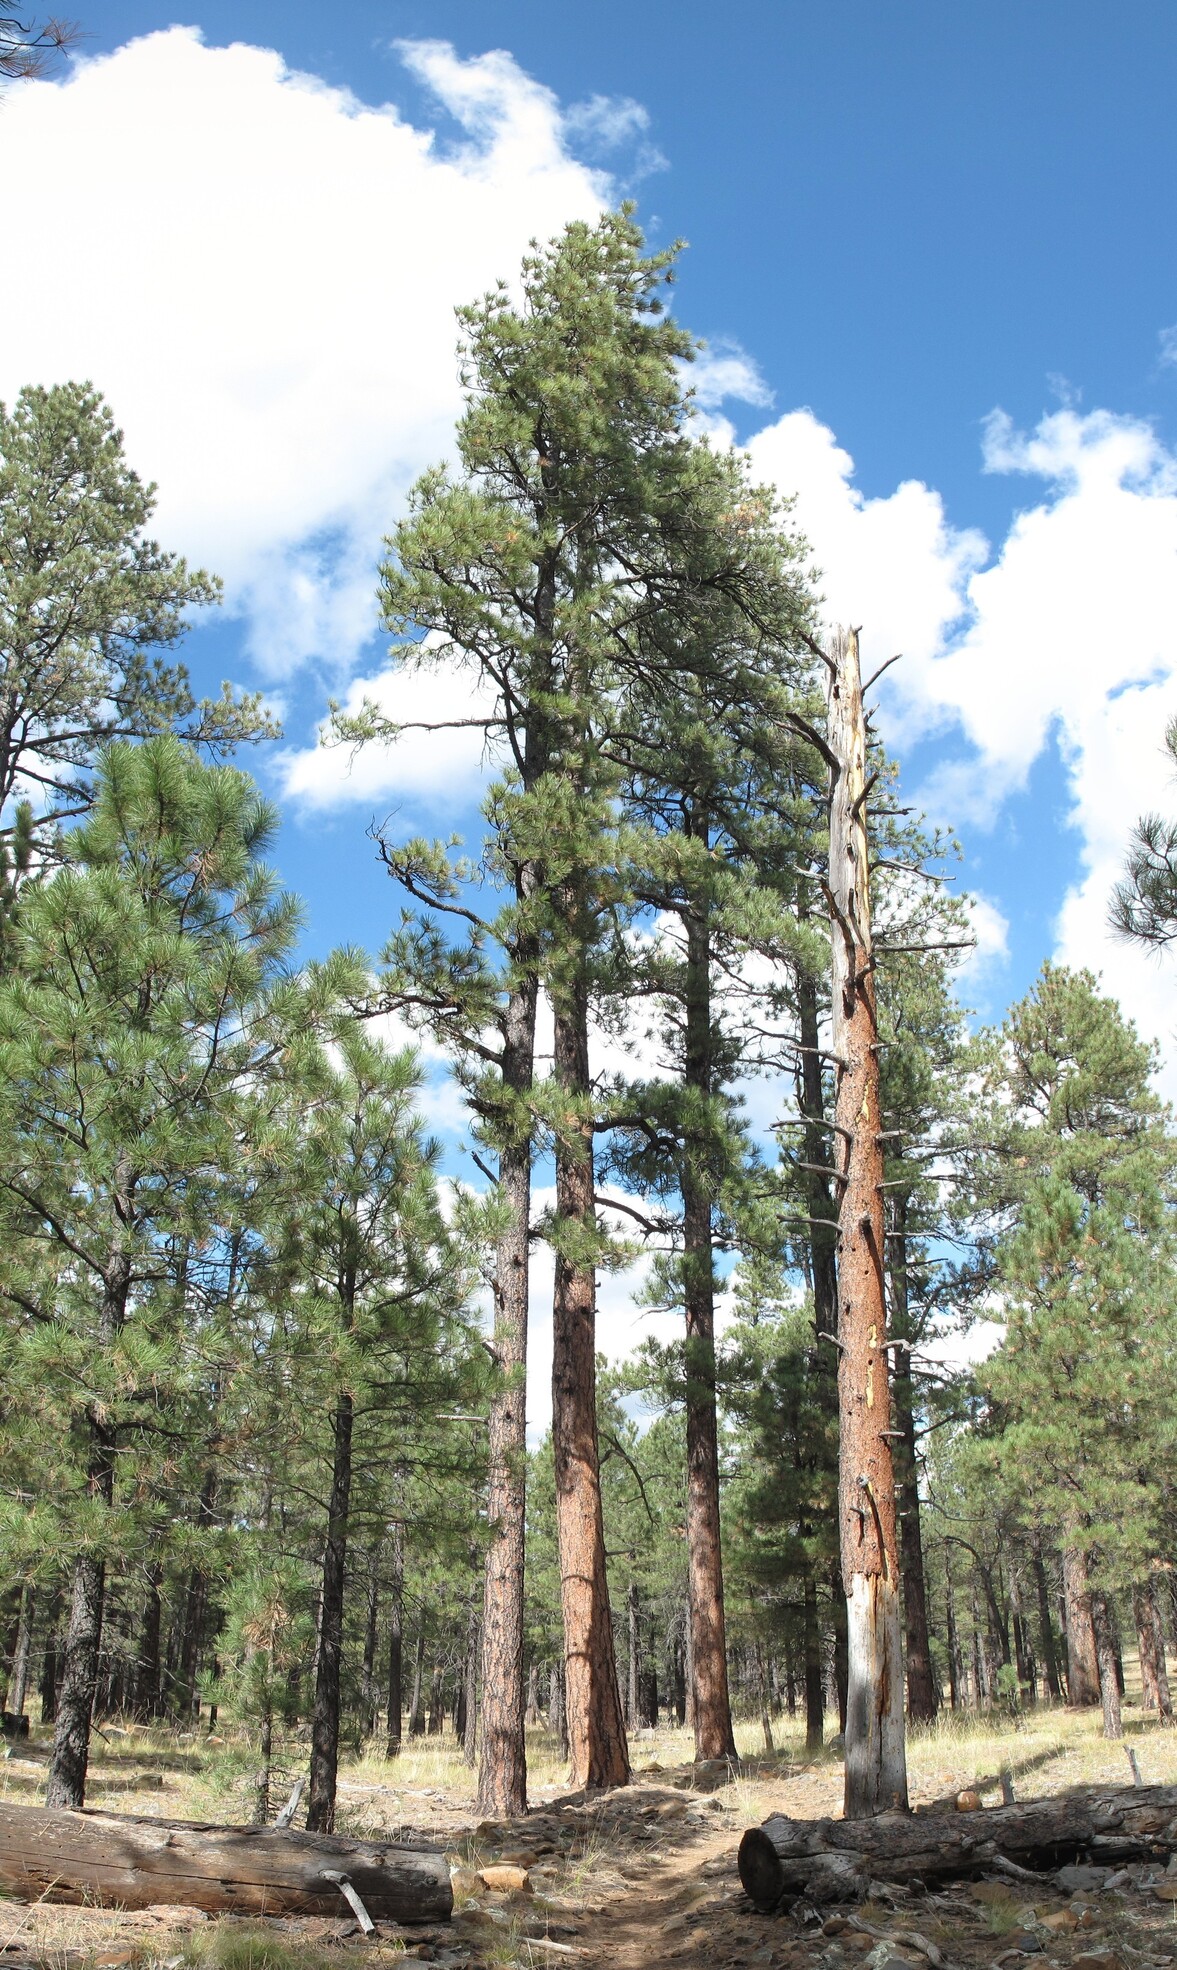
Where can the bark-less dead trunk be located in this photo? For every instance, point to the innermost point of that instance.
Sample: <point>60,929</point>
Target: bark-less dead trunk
<point>596,1732</point>
<point>711,1707</point>
<point>876,1769</point>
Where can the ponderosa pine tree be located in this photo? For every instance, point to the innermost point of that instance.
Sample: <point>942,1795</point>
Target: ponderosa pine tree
<point>575,521</point>
<point>370,1284</point>
<point>1079,1178</point>
<point>85,598</point>
<point>145,1011</point>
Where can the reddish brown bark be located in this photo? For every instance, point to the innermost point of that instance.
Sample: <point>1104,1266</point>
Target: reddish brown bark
<point>596,1732</point>
<point>712,1718</point>
<point>502,1760</point>
<point>876,1770</point>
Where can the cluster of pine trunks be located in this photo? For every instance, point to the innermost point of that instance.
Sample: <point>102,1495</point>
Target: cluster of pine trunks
<point>1033,1611</point>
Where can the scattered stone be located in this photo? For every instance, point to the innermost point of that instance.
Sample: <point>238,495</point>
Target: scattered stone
<point>465,1881</point>
<point>1080,1880</point>
<point>506,1880</point>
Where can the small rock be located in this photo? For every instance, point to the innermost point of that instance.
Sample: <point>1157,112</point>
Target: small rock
<point>465,1881</point>
<point>506,1880</point>
<point>1082,1880</point>
<point>1026,1941</point>
<point>1122,1878</point>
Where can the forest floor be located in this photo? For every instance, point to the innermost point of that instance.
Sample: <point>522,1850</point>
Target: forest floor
<point>641,1877</point>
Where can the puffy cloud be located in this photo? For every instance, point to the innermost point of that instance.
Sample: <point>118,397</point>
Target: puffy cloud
<point>1065,633</point>
<point>272,318</point>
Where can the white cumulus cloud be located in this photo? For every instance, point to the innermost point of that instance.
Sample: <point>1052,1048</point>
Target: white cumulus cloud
<point>268,300</point>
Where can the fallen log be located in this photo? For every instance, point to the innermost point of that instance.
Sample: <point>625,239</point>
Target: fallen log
<point>120,1861</point>
<point>834,1860</point>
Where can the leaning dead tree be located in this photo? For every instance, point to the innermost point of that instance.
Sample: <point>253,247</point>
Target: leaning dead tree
<point>876,1767</point>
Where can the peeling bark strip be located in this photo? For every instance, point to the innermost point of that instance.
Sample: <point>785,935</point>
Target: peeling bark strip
<point>112,1861</point>
<point>876,1768</point>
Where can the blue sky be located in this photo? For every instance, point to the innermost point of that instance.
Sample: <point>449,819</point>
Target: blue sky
<point>930,248</point>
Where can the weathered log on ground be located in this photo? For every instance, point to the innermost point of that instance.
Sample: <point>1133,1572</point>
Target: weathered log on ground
<point>115,1860</point>
<point>834,1860</point>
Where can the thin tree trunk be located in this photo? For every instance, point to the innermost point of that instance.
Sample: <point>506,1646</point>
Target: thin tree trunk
<point>24,1643</point>
<point>70,1755</point>
<point>325,1715</point>
<point>814,1697</point>
<point>876,1766</point>
<point>396,1643</point>
<point>765,1702</point>
<point>502,1767</point>
<point>469,1726</point>
<point>955,1665</point>
<point>1105,1651</point>
<point>1164,1699</point>
<point>1045,1627</point>
<point>148,1682</point>
<point>633,1686</point>
<point>596,1732</point>
<point>416,1713</point>
<point>1083,1678</point>
<point>711,1703</point>
<point>369,1691</point>
<point>1142,1614</point>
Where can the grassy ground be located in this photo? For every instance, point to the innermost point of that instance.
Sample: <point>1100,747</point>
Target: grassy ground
<point>603,1870</point>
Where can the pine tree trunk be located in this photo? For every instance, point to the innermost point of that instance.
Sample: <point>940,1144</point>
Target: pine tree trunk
<point>1142,1614</point>
<point>711,1705</point>
<point>955,1665</point>
<point>596,1733</point>
<point>468,1728</point>
<point>24,1643</point>
<point>325,1715</point>
<point>815,1721</point>
<point>633,1701</point>
<point>1105,1652</point>
<point>502,1768</point>
<point>416,1712</point>
<point>1049,1653</point>
<point>396,1643</point>
<point>70,1755</point>
<point>923,1695</point>
<point>876,1768</point>
<point>148,1686</point>
<point>1083,1679</point>
<point>1164,1699</point>
<point>369,1692</point>
<point>765,1703</point>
